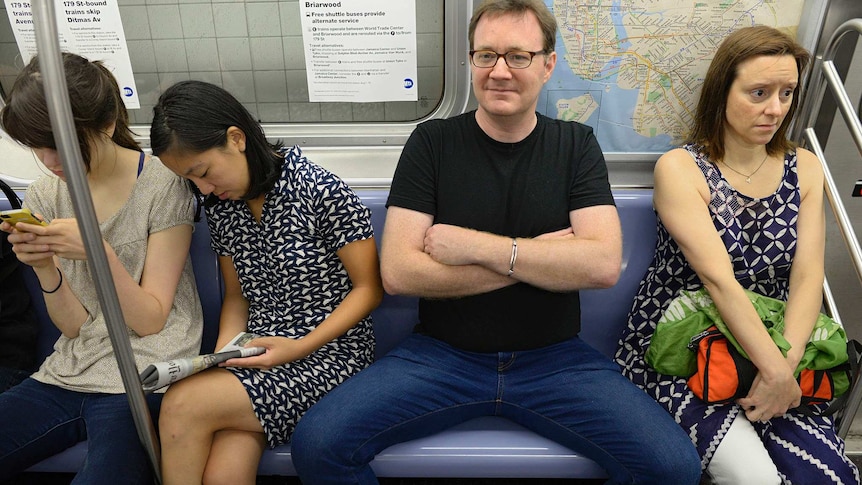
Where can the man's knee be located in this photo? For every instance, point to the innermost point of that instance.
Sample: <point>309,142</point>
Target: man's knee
<point>673,459</point>
<point>314,437</point>
<point>683,467</point>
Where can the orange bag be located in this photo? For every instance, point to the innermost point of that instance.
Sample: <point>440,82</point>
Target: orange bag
<point>817,386</point>
<point>723,375</point>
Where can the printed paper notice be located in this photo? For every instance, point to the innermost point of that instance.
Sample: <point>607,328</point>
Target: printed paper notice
<point>89,28</point>
<point>360,51</point>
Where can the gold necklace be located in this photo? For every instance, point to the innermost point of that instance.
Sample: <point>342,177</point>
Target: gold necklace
<point>748,177</point>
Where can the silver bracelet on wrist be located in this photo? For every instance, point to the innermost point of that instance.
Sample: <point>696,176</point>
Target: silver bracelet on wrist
<point>513,258</point>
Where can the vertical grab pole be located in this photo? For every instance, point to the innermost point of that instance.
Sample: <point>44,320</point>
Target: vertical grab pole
<point>62,122</point>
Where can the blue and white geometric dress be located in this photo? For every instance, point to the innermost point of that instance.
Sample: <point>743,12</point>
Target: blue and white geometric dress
<point>760,236</point>
<point>292,278</point>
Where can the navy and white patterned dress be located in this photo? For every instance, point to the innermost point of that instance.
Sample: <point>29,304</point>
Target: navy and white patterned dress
<point>760,236</point>
<point>293,280</point>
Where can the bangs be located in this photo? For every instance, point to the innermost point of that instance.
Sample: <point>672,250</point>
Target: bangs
<point>25,118</point>
<point>26,130</point>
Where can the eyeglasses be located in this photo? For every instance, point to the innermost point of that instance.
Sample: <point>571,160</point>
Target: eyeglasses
<point>514,59</point>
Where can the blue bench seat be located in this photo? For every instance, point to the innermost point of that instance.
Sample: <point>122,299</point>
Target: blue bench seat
<point>488,447</point>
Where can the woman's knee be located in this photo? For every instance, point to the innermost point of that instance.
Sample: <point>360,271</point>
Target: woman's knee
<point>224,476</point>
<point>741,458</point>
<point>179,409</point>
<point>740,474</point>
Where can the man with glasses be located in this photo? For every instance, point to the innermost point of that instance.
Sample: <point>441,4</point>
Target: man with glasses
<point>496,218</point>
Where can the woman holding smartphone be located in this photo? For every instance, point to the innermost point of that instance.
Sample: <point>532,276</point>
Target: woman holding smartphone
<point>145,215</point>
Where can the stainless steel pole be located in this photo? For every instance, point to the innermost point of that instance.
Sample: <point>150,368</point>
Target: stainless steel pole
<point>62,122</point>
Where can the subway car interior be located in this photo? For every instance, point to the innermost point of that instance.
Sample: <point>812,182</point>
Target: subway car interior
<point>349,81</point>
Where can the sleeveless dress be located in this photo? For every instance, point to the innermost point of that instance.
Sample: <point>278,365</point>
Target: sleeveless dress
<point>293,280</point>
<point>760,237</point>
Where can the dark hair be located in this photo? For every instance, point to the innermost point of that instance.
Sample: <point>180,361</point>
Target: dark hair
<point>194,116</point>
<point>93,95</point>
<point>547,22</point>
<point>737,48</point>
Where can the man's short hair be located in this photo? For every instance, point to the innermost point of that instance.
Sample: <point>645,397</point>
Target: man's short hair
<point>547,22</point>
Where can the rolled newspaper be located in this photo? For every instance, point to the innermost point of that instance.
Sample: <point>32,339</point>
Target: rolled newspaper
<point>160,374</point>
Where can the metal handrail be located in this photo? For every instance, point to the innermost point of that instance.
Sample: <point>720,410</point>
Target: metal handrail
<point>834,199</point>
<point>843,221</point>
<point>65,137</point>
<point>824,74</point>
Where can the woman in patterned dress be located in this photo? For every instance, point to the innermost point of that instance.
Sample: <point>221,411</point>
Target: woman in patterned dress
<point>300,268</point>
<point>740,207</point>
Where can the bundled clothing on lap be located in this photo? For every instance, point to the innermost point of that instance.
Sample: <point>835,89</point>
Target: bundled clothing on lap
<point>693,312</point>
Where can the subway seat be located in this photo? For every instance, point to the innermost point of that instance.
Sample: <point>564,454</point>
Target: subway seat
<point>488,447</point>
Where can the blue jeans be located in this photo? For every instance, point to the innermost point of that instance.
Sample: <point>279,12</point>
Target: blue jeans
<point>567,392</point>
<point>40,420</point>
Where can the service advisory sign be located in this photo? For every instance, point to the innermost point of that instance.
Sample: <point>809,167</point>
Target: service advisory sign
<point>89,28</point>
<point>360,51</point>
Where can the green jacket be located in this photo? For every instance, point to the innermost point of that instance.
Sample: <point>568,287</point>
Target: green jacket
<point>692,312</point>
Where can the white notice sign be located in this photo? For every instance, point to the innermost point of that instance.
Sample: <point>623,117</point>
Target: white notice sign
<point>360,51</point>
<point>89,28</point>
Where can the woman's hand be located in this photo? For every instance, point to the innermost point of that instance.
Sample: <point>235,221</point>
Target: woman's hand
<point>279,351</point>
<point>63,237</point>
<point>771,395</point>
<point>28,244</point>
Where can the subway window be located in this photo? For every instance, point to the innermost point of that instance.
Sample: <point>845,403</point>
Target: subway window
<point>254,49</point>
<point>632,72</point>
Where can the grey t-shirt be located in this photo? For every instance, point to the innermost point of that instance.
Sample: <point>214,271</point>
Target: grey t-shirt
<point>159,200</point>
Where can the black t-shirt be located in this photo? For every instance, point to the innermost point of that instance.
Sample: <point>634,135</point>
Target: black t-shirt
<point>452,170</point>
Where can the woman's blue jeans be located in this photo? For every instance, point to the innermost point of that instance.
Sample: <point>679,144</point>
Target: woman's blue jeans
<point>567,392</point>
<point>40,420</point>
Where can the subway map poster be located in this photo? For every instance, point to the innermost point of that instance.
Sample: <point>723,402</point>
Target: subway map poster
<point>632,69</point>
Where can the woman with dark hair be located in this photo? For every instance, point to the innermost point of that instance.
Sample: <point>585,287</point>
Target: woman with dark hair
<point>739,208</point>
<point>145,215</point>
<point>300,270</point>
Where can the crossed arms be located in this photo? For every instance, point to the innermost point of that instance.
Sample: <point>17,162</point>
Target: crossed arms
<point>421,258</point>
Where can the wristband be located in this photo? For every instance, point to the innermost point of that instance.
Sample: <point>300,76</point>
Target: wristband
<point>513,258</point>
<point>58,284</point>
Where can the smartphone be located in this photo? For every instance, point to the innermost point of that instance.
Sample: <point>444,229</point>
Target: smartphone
<point>15,216</point>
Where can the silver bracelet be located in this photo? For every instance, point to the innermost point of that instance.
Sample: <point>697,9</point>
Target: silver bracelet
<point>513,258</point>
